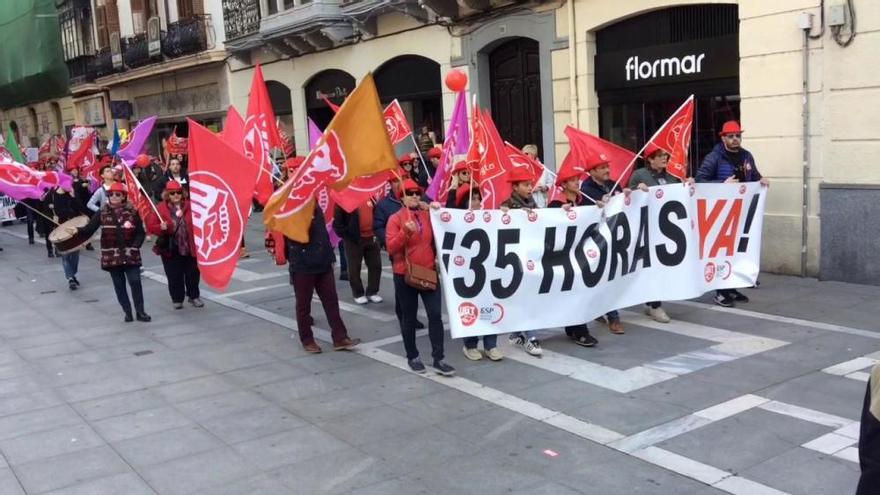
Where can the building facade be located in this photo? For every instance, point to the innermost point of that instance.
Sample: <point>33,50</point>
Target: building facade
<point>798,74</point>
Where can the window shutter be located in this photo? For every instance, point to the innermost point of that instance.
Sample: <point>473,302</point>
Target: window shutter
<point>101,24</point>
<point>138,16</point>
<point>112,18</point>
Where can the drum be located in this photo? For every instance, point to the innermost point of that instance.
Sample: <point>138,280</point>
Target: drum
<point>66,242</point>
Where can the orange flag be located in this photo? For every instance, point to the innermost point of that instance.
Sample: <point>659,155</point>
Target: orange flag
<point>354,144</point>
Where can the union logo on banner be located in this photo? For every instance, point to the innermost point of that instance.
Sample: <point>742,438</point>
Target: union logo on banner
<point>326,164</point>
<point>395,123</point>
<point>256,140</point>
<point>215,218</point>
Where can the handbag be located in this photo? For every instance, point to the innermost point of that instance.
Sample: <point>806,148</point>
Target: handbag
<point>420,277</point>
<point>163,242</point>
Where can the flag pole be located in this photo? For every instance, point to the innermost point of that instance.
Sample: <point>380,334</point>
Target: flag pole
<point>144,191</point>
<point>422,158</point>
<point>38,212</point>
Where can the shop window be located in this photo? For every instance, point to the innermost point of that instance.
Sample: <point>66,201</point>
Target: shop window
<point>416,83</point>
<point>335,85</point>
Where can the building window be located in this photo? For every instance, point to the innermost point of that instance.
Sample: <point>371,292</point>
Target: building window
<point>75,18</point>
<point>106,21</point>
<point>141,11</point>
<point>190,8</point>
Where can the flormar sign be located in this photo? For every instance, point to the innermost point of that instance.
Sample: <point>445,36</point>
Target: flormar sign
<point>673,63</point>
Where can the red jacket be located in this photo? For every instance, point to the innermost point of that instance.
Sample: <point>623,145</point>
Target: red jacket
<point>419,246</point>
<point>154,225</point>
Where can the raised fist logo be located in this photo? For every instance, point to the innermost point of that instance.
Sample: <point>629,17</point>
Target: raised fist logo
<point>392,128</point>
<point>217,223</point>
<point>326,164</point>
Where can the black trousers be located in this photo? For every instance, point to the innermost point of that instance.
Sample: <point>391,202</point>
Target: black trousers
<point>408,298</point>
<point>366,251</point>
<point>183,277</point>
<point>133,274</point>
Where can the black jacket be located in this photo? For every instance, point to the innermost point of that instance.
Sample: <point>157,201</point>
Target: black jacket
<point>389,205</point>
<point>64,206</point>
<point>317,255</point>
<point>515,201</point>
<point>347,225</point>
<point>596,191</point>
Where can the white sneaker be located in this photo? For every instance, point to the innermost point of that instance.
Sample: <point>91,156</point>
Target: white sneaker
<point>658,315</point>
<point>361,300</point>
<point>494,354</point>
<point>533,347</point>
<point>376,298</point>
<point>472,354</point>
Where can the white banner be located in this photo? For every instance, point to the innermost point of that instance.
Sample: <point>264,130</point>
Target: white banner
<point>551,268</point>
<point>7,208</point>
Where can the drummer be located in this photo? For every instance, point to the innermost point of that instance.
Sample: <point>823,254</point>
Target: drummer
<point>99,197</point>
<point>61,206</point>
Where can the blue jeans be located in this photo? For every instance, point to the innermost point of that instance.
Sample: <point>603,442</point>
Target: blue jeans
<point>489,342</point>
<point>408,297</point>
<point>70,264</point>
<point>612,316</point>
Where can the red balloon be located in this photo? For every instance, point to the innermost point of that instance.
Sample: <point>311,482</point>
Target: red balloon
<point>456,80</point>
<point>142,161</point>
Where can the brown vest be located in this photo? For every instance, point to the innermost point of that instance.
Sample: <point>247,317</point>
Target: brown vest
<point>117,237</point>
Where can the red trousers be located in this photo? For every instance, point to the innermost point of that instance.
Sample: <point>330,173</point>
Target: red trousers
<point>306,284</point>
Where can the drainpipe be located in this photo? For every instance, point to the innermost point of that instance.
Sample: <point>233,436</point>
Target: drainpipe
<point>806,25</point>
<point>572,66</point>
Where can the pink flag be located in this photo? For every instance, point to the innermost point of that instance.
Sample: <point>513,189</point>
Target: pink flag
<point>314,133</point>
<point>22,182</point>
<point>457,142</point>
<point>137,138</point>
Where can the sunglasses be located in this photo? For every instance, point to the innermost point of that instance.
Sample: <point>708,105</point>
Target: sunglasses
<point>412,193</point>
<point>736,136</point>
<point>117,195</point>
<point>174,193</point>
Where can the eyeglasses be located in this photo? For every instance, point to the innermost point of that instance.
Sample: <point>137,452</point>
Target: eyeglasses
<point>412,193</point>
<point>117,195</point>
<point>733,136</point>
<point>174,193</point>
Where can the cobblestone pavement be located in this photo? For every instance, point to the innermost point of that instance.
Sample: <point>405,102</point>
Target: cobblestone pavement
<point>764,398</point>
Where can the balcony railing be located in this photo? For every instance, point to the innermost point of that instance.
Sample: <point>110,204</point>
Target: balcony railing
<point>103,63</point>
<point>241,17</point>
<point>135,51</point>
<point>187,36</point>
<point>81,69</point>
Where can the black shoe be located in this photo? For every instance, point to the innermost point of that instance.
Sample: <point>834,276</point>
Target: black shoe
<point>51,254</point>
<point>419,325</point>
<point>89,247</point>
<point>416,365</point>
<point>740,297</point>
<point>441,368</point>
<point>343,276</point>
<point>30,240</point>
<point>585,340</point>
<point>128,318</point>
<point>75,281</point>
<point>71,284</point>
<point>143,317</point>
<point>723,301</point>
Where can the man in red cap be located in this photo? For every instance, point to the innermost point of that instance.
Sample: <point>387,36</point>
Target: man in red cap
<point>433,160</point>
<point>729,162</point>
<point>461,176</point>
<point>522,183</point>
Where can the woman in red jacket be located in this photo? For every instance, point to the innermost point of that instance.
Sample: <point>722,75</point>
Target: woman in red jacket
<point>410,240</point>
<point>174,243</point>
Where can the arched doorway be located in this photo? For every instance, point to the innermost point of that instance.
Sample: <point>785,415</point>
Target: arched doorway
<point>57,118</point>
<point>32,131</point>
<point>279,95</point>
<point>333,84</point>
<point>415,82</point>
<point>515,84</point>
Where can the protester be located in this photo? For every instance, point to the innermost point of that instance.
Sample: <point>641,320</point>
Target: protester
<point>62,206</point>
<point>359,239</point>
<point>433,156</point>
<point>82,193</point>
<point>599,188</point>
<point>466,198</point>
<point>311,270</point>
<point>175,245</point>
<point>44,223</point>
<point>729,162</point>
<point>31,206</point>
<point>408,163</point>
<point>521,182</point>
<point>571,196</point>
<point>175,173</point>
<point>122,234</point>
<point>542,187</point>
<point>869,437</point>
<point>461,176</point>
<point>99,197</point>
<point>427,139</point>
<point>410,244</point>
<point>654,174</point>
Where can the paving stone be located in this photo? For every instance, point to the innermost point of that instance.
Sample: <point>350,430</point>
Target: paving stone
<point>52,350</point>
<point>221,360</point>
<point>156,448</point>
<point>38,420</point>
<point>196,388</point>
<point>127,484</point>
<point>219,405</point>
<point>336,473</point>
<point>136,424</point>
<point>258,485</point>
<point>397,486</point>
<point>443,406</point>
<point>69,469</point>
<point>19,403</point>
<point>119,404</point>
<point>27,448</point>
<point>372,424</point>
<point>9,484</point>
<point>626,414</point>
<point>198,471</point>
<point>264,373</point>
<point>289,447</point>
<point>806,472</point>
<point>830,394</point>
<point>250,424</point>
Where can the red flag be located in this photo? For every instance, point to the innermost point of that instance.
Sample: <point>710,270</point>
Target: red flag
<point>233,130</point>
<point>675,138</point>
<point>361,190</point>
<point>287,143</point>
<point>261,135</point>
<point>136,195</point>
<point>221,185</point>
<point>330,104</point>
<point>489,160</point>
<point>84,159</point>
<point>587,148</point>
<point>520,159</point>
<point>396,123</point>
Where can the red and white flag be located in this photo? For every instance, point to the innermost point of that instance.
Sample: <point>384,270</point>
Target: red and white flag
<point>233,130</point>
<point>84,159</point>
<point>586,148</point>
<point>361,190</point>
<point>675,138</point>
<point>396,123</point>
<point>520,159</point>
<point>488,160</point>
<point>221,182</point>
<point>137,196</point>
<point>261,135</point>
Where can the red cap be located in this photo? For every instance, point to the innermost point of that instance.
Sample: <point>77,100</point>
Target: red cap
<point>596,160</point>
<point>566,174</point>
<point>409,185</point>
<point>650,149</point>
<point>407,158</point>
<point>730,127</point>
<point>401,174</point>
<point>519,174</point>
<point>118,187</point>
<point>460,166</point>
<point>434,152</point>
<point>173,185</point>
<point>463,192</point>
<point>293,163</point>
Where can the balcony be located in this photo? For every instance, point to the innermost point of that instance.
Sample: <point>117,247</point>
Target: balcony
<point>187,36</point>
<point>103,64</point>
<point>241,18</point>
<point>81,69</point>
<point>135,52</point>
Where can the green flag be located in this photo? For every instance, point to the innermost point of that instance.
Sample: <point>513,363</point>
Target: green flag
<point>13,148</point>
